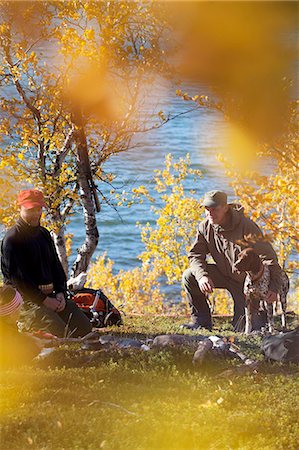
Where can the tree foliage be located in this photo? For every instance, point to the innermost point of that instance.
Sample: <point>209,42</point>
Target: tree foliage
<point>272,199</point>
<point>71,75</point>
<point>178,212</point>
<point>166,243</point>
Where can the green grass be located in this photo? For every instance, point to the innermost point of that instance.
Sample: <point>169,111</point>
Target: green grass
<point>148,400</point>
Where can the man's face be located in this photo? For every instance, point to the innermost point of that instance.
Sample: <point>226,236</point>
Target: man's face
<point>32,215</point>
<point>216,214</point>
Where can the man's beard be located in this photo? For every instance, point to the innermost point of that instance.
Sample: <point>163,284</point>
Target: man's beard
<point>32,222</point>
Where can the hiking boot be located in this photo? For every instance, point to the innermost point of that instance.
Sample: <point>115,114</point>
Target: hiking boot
<point>195,325</point>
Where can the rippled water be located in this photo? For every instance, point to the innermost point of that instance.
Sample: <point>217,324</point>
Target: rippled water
<point>199,134</point>
<point>196,134</point>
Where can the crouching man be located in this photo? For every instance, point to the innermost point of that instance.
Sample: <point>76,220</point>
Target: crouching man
<point>30,264</point>
<point>217,235</point>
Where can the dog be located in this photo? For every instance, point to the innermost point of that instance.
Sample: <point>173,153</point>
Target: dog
<point>256,287</point>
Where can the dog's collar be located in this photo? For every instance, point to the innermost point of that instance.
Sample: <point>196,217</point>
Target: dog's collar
<point>258,275</point>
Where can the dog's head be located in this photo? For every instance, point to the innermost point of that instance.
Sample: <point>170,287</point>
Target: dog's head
<point>248,261</point>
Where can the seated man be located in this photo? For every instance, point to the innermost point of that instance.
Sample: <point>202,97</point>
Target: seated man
<point>217,235</point>
<point>30,263</point>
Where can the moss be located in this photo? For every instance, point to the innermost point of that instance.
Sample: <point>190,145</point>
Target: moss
<point>148,400</point>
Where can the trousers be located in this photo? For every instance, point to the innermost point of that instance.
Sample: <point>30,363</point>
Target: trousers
<point>69,322</point>
<point>200,310</point>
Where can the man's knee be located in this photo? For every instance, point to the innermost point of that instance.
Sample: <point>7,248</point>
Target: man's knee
<point>70,306</point>
<point>82,326</point>
<point>187,277</point>
<point>42,318</point>
<point>77,320</point>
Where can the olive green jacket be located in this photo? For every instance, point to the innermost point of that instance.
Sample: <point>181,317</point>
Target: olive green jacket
<point>220,243</point>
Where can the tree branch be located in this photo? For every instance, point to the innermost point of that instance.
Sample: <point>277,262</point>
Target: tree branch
<point>64,151</point>
<point>284,156</point>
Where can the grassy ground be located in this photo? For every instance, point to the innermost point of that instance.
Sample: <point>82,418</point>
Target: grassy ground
<point>148,400</point>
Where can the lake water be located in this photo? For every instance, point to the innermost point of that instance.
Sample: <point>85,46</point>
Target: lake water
<point>197,134</point>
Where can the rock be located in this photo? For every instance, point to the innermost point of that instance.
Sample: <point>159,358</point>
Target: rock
<point>203,348</point>
<point>109,341</point>
<point>245,369</point>
<point>127,343</point>
<point>173,340</point>
<point>92,345</point>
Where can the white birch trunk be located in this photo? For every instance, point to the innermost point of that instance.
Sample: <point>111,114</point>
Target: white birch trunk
<point>87,249</point>
<point>59,241</point>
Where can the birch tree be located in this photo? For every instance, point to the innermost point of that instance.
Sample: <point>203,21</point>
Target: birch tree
<point>71,76</point>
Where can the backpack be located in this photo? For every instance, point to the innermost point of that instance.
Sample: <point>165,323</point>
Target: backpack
<point>97,307</point>
<point>283,347</point>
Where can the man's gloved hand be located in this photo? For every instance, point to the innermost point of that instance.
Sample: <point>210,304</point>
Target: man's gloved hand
<point>61,299</point>
<point>271,297</point>
<point>206,285</point>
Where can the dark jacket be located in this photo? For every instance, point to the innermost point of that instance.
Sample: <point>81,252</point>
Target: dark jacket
<point>220,243</point>
<point>29,259</point>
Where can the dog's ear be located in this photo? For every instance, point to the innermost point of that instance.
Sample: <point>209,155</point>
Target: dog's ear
<point>242,261</point>
<point>255,262</point>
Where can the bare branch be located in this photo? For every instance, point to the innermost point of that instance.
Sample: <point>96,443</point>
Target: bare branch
<point>64,151</point>
<point>107,201</point>
<point>285,156</point>
<point>20,89</point>
<point>67,209</point>
<point>167,119</point>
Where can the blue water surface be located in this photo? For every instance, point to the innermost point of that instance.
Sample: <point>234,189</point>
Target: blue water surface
<point>196,133</point>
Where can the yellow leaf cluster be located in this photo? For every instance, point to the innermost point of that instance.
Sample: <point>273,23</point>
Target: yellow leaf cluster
<point>272,199</point>
<point>166,245</point>
<point>134,291</point>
